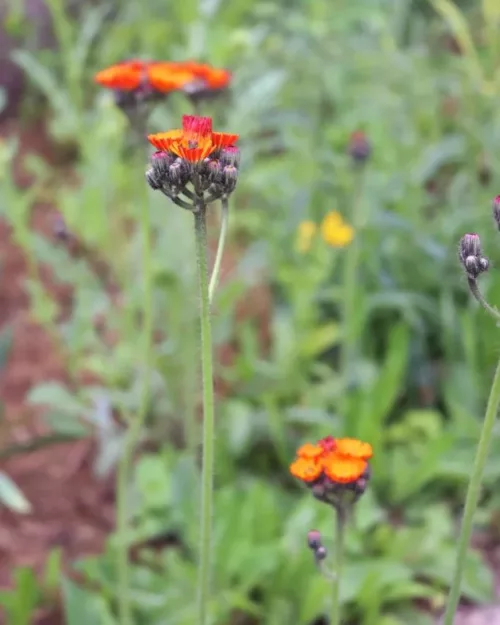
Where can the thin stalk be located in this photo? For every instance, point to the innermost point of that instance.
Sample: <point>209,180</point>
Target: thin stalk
<point>220,248</point>
<point>474,289</point>
<point>134,429</point>
<point>473,496</point>
<point>350,285</point>
<point>339,548</point>
<point>200,225</point>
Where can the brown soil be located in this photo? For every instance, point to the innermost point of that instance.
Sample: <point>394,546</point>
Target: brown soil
<point>71,509</point>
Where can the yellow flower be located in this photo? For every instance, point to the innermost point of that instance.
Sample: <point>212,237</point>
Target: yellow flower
<point>335,231</point>
<point>305,234</point>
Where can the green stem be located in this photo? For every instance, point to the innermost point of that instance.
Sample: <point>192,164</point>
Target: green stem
<point>350,287</point>
<point>134,430</point>
<point>474,289</point>
<point>473,496</point>
<point>339,544</point>
<point>220,248</point>
<point>200,225</point>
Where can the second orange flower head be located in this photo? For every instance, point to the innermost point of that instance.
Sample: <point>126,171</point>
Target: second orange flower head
<point>336,470</point>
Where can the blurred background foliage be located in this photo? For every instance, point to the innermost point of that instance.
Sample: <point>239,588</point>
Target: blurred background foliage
<point>422,81</point>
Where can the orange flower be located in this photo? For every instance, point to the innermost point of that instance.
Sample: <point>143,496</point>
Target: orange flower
<point>165,77</point>
<point>195,141</point>
<point>305,469</point>
<point>343,469</point>
<point>353,448</point>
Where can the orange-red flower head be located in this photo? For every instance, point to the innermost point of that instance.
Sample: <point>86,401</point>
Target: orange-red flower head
<point>162,77</point>
<point>331,466</point>
<point>194,154</point>
<point>195,141</point>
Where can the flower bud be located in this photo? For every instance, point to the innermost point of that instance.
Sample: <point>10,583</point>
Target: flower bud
<point>178,174</point>
<point>229,178</point>
<point>359,148</point>
<point>214,172</point>
<point>320,553</point>
<point>496,210</point>
<point>314,539</point>
<point>230,156</point>
<point>470,245</point>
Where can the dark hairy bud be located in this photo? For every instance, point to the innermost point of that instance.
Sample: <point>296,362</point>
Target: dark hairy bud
<point>314,539</point>
<point>229,178</point>
<point>471,255</point>
<point>470,245</point>
<point>230,156</point>
<point>320,553</point>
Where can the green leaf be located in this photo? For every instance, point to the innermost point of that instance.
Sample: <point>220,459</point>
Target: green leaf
<point>11,496</point>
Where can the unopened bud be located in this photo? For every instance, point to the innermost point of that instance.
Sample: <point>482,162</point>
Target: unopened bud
<point>152,180</point>
<point>496,210</point>
<point>314,540</point>
<point>359,148</point>
<point>320,553</point>
<point>214,171</point>
<point>230,156</point>
<point>229,178</point>
<point>470,245</point>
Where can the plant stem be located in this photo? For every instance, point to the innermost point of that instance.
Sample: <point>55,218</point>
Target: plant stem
<point>200,225</point>
<point>474,289</point>
<point>350,286</point>
<point>134,429</point>
<point>473,496</point>
<point>339,544</point>
<point>220,248</point>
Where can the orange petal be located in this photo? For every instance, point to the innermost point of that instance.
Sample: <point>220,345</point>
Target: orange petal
<point>166,79</point>
<point>125,77</point>
<point>193,154</point>
<point>353,448</point>
<point>164,140</point>
<point>310,451</point>
<point>305,470</point>
<point>343,470</point>
<point>223,140</point>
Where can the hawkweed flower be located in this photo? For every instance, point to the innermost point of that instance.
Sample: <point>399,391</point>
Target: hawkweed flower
<point>194,166</point>
<point>336,470</point>
<point>359,148</point>
<point>335,231</point>
<point>136,80</point>
<point>194,161</point>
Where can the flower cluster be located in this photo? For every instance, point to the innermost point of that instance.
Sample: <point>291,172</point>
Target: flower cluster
<point>333,229</point>
<point>139,80</point>
<point>335,469</point>
<point>197,155</point>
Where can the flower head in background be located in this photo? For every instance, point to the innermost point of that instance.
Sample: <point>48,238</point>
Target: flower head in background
<point>139,80</point>
<point>334,231</point>
<point>335,469</point>
<point>194,154</point>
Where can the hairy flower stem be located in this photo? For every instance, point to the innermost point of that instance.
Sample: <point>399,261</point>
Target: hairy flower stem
<point>220,248</point>
<point>351,280</point>
<point>473,496</point>
<point>135,426</point>
<point>474,289</point>
<point>339,548</point>
<point>200,225</point>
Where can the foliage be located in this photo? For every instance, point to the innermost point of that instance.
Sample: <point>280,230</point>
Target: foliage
<point>305,77</point>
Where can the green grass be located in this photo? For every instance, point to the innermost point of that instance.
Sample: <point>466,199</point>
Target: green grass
<point>421,353</point>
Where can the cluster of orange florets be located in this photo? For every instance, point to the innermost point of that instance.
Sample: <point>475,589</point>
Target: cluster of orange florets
<point>162,77</point>
<point>332,463</point>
